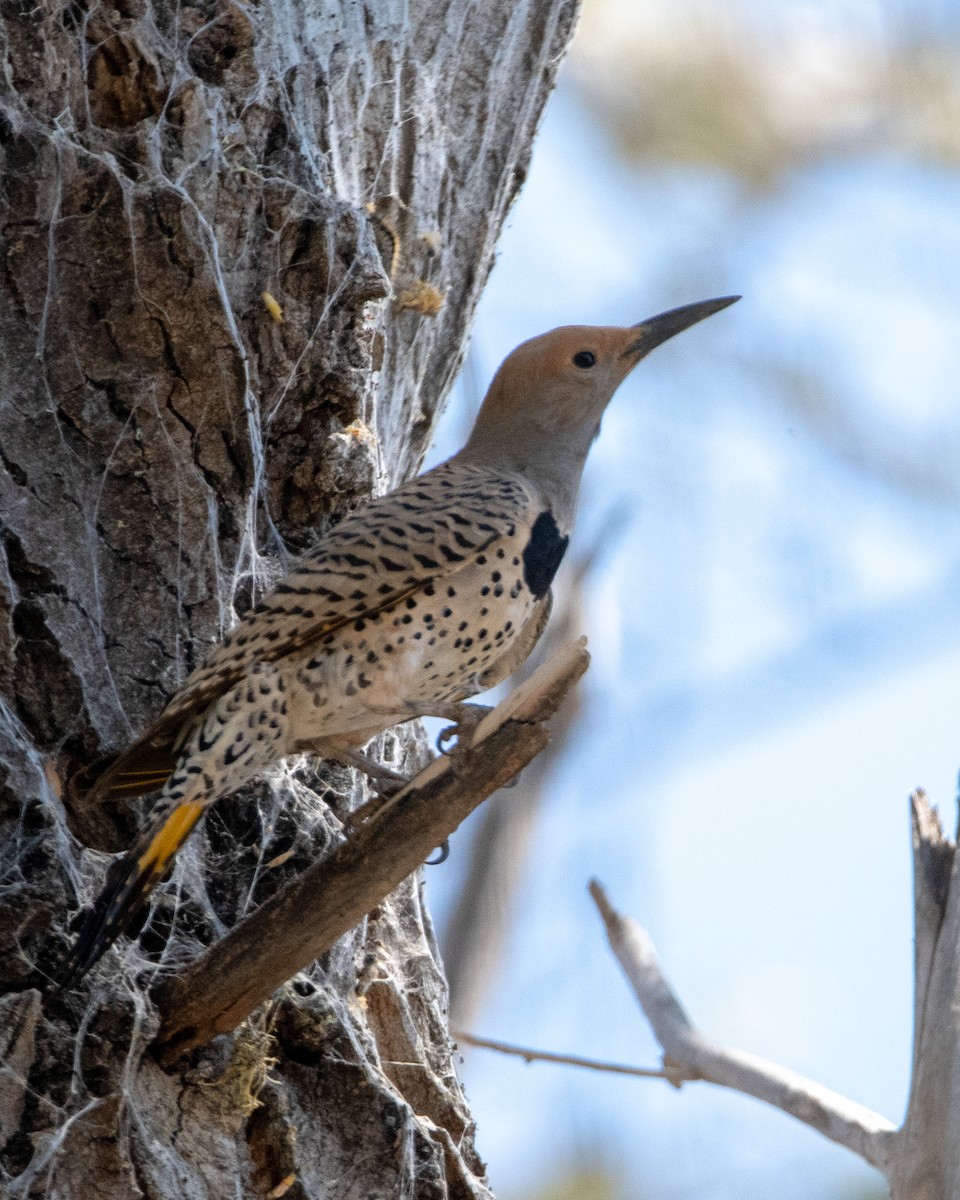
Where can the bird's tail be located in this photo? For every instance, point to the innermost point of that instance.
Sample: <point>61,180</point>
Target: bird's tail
<point>130,881</point>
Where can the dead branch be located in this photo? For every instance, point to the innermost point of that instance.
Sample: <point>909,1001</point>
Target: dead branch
<point>390,841</point>
<point>927,1165</point>
<point>568,1060</point>
<point>688,1055</point>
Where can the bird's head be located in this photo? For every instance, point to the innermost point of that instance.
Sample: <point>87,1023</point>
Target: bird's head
<point>544,406</point>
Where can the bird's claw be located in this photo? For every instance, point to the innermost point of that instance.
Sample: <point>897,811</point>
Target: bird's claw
<point>465,723</point>
<point>443,853</point>
<point>450,734</point>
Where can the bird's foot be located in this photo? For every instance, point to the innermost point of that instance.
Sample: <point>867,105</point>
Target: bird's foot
<point>443,853</point>
<point>466,718</point>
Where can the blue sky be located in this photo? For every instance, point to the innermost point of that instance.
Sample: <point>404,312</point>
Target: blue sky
<point>776,640</point>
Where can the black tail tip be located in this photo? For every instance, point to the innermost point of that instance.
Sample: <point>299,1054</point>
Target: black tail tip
<point>87,949</point>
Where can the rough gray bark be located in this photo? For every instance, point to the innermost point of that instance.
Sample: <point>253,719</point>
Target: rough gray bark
<point>164,444</point>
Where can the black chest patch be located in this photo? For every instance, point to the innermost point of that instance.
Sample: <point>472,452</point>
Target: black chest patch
<point>543,554</point>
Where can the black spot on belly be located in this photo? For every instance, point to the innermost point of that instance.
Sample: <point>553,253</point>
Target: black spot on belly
<point>543,554</point>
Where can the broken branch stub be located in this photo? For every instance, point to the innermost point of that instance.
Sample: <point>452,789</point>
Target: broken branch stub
<point>390,840</point>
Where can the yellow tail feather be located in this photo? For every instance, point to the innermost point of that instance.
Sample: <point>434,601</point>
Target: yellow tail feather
<point>129,882</point>
<point>170,837</point>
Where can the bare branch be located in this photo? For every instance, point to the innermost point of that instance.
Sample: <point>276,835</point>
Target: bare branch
<point>569,1060</point>
<point>215,993</point>
<point>688,1055</point>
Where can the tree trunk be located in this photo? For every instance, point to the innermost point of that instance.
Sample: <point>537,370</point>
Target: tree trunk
<point>168,436</point>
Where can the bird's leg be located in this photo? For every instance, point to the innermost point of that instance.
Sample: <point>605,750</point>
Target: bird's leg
<point>464,717</point>
<point>386,782</point>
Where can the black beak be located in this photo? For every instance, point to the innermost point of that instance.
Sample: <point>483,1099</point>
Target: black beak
<point>657,330</point>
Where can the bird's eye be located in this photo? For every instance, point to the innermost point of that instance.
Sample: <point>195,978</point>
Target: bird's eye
<point>584,359</point>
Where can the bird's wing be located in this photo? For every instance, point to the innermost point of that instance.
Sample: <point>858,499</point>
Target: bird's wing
<point>391,548</point>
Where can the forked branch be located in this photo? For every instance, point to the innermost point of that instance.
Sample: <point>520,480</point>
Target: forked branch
<point>688,1055</point>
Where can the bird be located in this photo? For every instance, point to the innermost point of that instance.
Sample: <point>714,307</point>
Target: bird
<point>413,603</point>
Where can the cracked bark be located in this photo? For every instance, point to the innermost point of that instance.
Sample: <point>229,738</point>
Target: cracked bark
<point>165,443</point>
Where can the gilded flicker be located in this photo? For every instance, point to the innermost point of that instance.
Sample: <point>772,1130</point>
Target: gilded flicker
<point>414,602</point>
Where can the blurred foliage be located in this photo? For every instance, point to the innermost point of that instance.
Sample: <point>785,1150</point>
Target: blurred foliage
<point>592,1177</point>
<point>588,1178</point>
<point>916,459</point>
<point>758,95</point>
